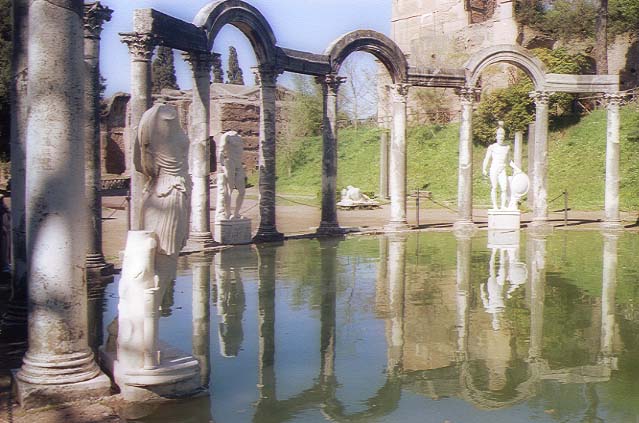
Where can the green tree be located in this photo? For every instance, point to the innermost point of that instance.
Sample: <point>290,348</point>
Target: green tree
<point>164,70</point>
<point>218,74</point>
<point>5,74</point>
<point>234,72</point>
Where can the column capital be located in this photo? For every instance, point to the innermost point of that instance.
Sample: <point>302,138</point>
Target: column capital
<point>200,62</point>
<point>331,82</point>
<point>613,99</point>
<point>141,45</point>
<point>399,92</point>
<point>541,98</point>
<point>467,94</point>
<point>95,14</point>
<point>266,74</point>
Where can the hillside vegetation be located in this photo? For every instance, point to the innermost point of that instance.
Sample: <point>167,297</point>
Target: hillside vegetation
<point>576,162</point>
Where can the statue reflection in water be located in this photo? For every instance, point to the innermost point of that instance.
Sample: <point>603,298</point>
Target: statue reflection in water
<point>231,303</point>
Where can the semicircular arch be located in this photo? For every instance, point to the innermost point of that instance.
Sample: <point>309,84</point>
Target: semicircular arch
<point>373,42</point>
<point>244,17</point>
<point>506,53</point>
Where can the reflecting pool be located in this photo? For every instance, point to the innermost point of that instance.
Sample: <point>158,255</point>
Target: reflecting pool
<point>424,327</point>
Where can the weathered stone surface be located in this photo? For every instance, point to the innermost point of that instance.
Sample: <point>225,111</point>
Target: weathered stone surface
<point>173,32</point>
<point>232,231</point>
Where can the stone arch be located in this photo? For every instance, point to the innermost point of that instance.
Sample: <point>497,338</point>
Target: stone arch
<point>373,42</point>
<point>507,53</point>
<point>244,17</point>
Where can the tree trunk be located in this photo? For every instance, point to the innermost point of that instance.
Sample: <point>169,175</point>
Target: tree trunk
<point>600,51</point>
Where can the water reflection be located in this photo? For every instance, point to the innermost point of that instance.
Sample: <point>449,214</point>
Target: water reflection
<point>474,325</point>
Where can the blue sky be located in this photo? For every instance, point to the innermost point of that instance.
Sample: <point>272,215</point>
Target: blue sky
<point>309,25</point>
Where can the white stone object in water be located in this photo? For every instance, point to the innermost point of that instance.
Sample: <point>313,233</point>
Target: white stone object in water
<point>497,155</point>
<point>230,176</point>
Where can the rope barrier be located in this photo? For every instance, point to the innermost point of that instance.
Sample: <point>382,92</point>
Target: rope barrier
<point>115,209</point>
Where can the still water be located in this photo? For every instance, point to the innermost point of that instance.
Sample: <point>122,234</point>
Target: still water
<point>409,328</point>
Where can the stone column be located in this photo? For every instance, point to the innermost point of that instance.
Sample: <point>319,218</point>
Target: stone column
<point>531,162</point>
<point>95,14</point>
<point>464,221</point>
<point>462,294</point>
<point>608,290</point>
<point>267,265</point>
<point>330,85</point>
<point>518,148</point>
<point>141,49</point>
<point>15,319</point>
<point>328,332</point>
<point>59,365</point>
<point>396,288</point>
<point>267,230</point>
<point>199,152</point>
<point>612,219</point>
<point>397,163</point>
<point>540,181</point>
<point>201,311</point>
<point>536,257</point>
<point>383,163</point>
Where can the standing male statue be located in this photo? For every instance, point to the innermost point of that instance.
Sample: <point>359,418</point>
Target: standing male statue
<point>230,175</point>
<point>497,154</point>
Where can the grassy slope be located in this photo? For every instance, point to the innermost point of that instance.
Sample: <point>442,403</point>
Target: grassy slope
<point>576,162</point>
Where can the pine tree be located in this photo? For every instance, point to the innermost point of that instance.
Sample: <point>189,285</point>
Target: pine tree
<point>234,72</point>
<point>164,70</point>
<point>218,74</point>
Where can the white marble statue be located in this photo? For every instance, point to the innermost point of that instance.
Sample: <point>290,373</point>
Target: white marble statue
<point>497,155</point>
<point>230,175</point>
<point>352,196</point>
<point>512,188</point>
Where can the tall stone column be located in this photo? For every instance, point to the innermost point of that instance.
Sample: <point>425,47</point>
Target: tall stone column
<point>608,290</point>
<point>201,311</point>
<point>330,85</point>
<point>267,230</point>
<point>612,219</point>
<point>141,48</point>
<point>462,294</point>
<point>464,221</point>
<point>531,162</point>
<point>397,163</point>
<point>95,14</point>
<point>15,319</point>
<point>518,148</point>
<point>59,365</point>
<point>199,152</point>
<point>396,291</point>
<point>267,266</point>
<point>540,174</point>
<point>383,163</point>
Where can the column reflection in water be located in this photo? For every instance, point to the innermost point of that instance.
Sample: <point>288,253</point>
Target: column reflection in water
<point>464,248</point>
<point>536,258</point>
<point>608,290</point>
<point>396,289</point>
<point>328,260</point>
<point>231,301</point>
<point>201,311</point>
<point>266,255</point>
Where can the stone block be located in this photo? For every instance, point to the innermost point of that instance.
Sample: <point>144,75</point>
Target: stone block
<point>233,231</point>
<point>37,396</point>
<point>503,239</point>
<point>503,219</point>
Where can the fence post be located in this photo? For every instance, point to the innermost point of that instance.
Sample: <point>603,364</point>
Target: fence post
<point>417,205</point>
<point>565,208</point>
<point>128,210</point>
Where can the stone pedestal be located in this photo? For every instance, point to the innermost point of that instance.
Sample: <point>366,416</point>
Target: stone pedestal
<point>503,219</point>
<point>233,231</point>
<point>503,238</point>
<point>176,376</point>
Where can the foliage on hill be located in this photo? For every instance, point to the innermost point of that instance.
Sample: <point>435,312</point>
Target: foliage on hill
<point>576,162</point>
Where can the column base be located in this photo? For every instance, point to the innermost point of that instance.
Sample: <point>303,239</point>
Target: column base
<point>464,228</point>
<point>268,235</point>
<point>540,227</point>
<point>199,241</point>
<point>233,231</point>
<point>329,228</point>
<point>401,226</point>
<point>32,395</point>
<point>612,226</point>
<point>96,265</point>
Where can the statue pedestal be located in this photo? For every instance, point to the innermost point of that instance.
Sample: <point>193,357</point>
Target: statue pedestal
<point>499,219</point>
<point>503,238</point>
<point>233,231</point>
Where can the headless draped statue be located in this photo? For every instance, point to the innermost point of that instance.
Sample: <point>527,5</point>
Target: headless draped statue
<point>230,175</point>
